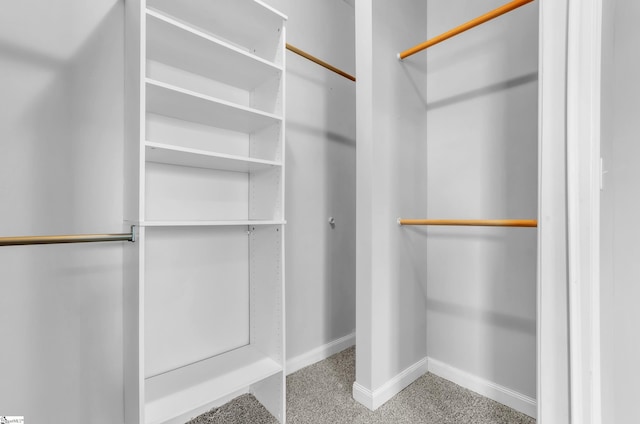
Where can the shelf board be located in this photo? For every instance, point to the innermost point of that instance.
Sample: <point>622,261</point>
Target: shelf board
<point>174,43</point>
<point>175,102</point>
<point>180,391</point>
<point>247,222</point>
<point>247,22</point>
<point>182,156</point>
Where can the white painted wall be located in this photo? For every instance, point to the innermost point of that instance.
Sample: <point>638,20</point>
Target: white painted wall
<point>482,121</point>
<point>620,271</point>
<point>61,126</point>
<point>391,182</point>
<point>320,181</point>
<point>553,314</point>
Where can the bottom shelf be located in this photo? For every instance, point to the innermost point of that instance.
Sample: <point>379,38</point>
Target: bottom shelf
<point>189,388</point>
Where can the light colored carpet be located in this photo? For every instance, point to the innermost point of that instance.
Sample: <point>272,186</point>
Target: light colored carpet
<point>241,410</point>
<point>321,394</point>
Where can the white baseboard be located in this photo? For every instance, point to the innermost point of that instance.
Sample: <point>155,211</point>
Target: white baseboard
<point>376,398</point>
<point>318,354</point>
<point>486,388</point>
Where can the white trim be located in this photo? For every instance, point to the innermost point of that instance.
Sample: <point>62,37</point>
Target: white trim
<point>363,395</point>
<point>376,398</point>
<point>486,388</point>
<point>583,206</point>
<point>320,353</point>
<point>552,303</point>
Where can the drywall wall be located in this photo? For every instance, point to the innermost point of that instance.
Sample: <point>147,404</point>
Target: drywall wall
<point>620,205</point>
<point>320,180</point>
<point>553,313</point>
<point>391,182</point>
<point>482,162</point>
<point>61,125</point>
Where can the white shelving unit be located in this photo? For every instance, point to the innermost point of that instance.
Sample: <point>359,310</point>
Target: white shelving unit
<point>204,185</point>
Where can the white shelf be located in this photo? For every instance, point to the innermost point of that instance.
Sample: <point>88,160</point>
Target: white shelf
<point>205,164</point>
<point>248,23</point>
<point>248,222</point>
<point>175,102</point>
<point>188,388</point>
<point>182,156</point>
<point>177,44</point>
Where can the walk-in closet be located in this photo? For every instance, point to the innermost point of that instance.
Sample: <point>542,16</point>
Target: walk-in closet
<point>318,211</point>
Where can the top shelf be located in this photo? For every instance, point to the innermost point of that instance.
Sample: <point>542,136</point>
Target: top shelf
<point>249,24</point>
<point>174,43</point>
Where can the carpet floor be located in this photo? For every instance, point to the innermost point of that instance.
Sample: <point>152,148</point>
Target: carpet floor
<point>321,393</point>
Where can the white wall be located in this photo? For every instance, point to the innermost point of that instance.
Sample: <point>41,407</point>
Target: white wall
<point>320,182</point>
<point>553,313</point>
<point>482,120</point>
<point>61,125</point>
<point>391,182</point>
<point>620,272</point>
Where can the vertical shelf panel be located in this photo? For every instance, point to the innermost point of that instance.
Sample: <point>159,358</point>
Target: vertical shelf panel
<point>266,290</point>
<point>133,253</point>
<point>267,310</point>
<point>265,194</point>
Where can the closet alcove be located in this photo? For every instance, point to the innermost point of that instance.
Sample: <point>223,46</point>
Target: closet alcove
<point>451,132</point>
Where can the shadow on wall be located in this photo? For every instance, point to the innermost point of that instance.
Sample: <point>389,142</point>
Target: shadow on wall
<point>321,134</point>
<point>340,181</point>
<point>320,155</point>
<point>475,314</point>
<point>35,58</point>
<point>413,73</point>
<point>66,136</point>
<point>482,119</point>
<point>483,91</point>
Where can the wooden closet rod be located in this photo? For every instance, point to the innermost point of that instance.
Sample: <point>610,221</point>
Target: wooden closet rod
<point>464,27</point>
<point>68,238</point>
<point>472,222</point>
<point>319,62</point>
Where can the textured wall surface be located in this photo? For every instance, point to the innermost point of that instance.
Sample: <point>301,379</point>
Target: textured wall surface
<point>620,205</point>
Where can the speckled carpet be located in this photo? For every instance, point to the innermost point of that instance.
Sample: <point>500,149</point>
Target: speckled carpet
<point>243,409</point>
<point>321,394</point>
